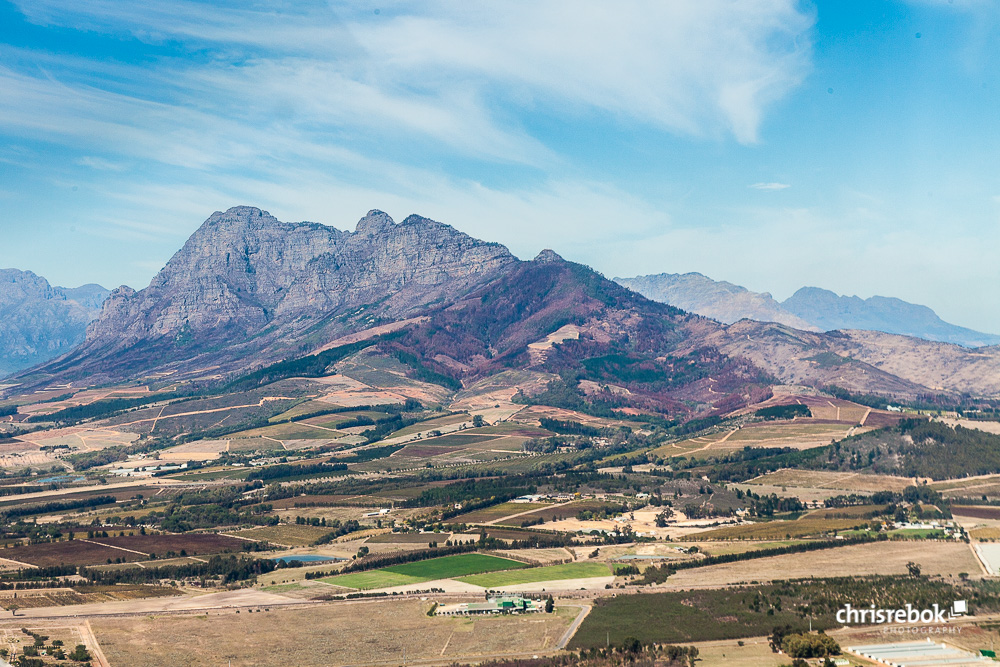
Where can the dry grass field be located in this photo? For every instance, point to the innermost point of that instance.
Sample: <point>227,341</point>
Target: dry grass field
<point>346,633</point>
<point>841,481</point>
<point>776,530</point>
<point>934,557</point>
<point>83,595</point>
<point>289,535</point>
<point>496,513</point>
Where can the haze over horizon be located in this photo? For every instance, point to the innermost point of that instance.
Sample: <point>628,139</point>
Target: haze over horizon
<point>770,144</point>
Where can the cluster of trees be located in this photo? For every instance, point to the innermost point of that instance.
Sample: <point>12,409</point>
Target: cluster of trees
<point>569,427</point>
<point>339,529</point>
<point>57,506</point>
<point>783,412</point>
<point>421,371</point>
<point>286,471</point>
<point>914,448</point>
<point>802,644</point>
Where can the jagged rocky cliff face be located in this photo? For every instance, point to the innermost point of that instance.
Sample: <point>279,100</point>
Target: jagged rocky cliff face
<point>39,321</point>
<point>247,287</point>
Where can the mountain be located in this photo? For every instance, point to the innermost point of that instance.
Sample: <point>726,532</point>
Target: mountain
<point>809,309</point>
<point>247,291</point>
<point>719,300</point>
<point>38,321</point>
<point>830,311</point>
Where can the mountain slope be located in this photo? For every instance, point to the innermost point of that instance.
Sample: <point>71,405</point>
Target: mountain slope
<point>830,311</point>
<point>719,300</point>
<point>39,321</point>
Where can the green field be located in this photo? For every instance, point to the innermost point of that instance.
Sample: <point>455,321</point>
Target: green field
<point>530,576</point>
<point>447,567</point>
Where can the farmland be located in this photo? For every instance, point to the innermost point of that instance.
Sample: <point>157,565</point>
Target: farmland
<point>776,530</point>
<point>352,633</point>
<point>528,576</point>
<point>98,550</point>
<point>448,567</point>
<point>747,611</point>
<point>629,494</point>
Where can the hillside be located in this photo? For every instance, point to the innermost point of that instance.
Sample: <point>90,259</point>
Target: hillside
<point>38,321</point>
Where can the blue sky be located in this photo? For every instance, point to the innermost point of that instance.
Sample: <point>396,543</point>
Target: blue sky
<point>774,144</point>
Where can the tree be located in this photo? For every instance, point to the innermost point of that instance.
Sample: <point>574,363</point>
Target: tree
<point>80,653</point>
<point>913,569</point>
<point>549,605</point>
<point>477,421</point>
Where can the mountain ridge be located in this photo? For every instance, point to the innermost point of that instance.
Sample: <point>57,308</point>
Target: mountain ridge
<point>809,309</point>
<point>247,290</point>
<point>39,321</point>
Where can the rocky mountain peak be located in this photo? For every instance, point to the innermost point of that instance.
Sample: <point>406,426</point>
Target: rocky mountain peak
<point>548,256</point>
<point>263,289</point>
<point>376,222</point>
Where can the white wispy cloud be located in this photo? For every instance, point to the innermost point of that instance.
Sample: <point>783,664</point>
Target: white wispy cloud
<point>770,186</point>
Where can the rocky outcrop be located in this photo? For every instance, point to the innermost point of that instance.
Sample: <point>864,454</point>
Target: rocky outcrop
<point>38,321</point>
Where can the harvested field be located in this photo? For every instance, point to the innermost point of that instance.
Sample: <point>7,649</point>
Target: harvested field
<point>566,511</point>
<point>430,424</point>
<point>74,552</point>
<point>459,439</point>
<point>248,444</point>
<point>976,512</point>
<point>409,538</point>
<point>352,633</point>
<point>776,530</point>
<point>860,511</point>
<point>192,543</point>
<point>986,534</point>
<point>494,580</point>
<point>823,479</point>
<point>200,450</point>
<point>291,535</point>
<point>287,431</point>
<point>83,595</point>
<point>495,512</point>
<point>322,501</point>
<point>935,557</point>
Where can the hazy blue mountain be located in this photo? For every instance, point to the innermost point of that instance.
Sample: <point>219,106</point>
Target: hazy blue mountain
<point>38,321</point>
<point>719,300</point>
<point>830,311</point>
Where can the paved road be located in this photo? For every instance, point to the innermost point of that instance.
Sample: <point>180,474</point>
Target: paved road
<point>584,610</point>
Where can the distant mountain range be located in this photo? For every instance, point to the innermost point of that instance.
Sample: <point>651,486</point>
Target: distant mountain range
<point>246,292</point>
<point>809,309</point>
<point>39,321</point>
